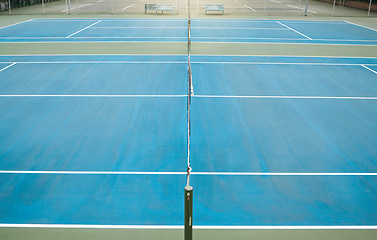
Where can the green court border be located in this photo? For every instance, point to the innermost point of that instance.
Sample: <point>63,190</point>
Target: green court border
<point>176,234</point>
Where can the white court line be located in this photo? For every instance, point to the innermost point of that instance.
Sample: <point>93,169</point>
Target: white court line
<point>285,97</point>
<point>300,8</point>
<point>5,225</point>
<point>130,37</point>
<point>317,22</point>
<point>77,7</point>
<point>296,39</point>
<point>96,96</point>
<point>142,27</point>
<point>17,23</point>
<point>251,38</point>
<point>285,63</point>
<point>275,1</point>
<point>250,8</point>
<point>287,227</point>
<point>90,226</point>
<point>345,40</point>
<point>294,30</point>
<point>270,21</point>
<point>105,62</point>
<point>7,66</point>
<point>199,28</point>
<point>361,26</point>
<point>93,172</point>
<point>250,28</point>
<point>144,20</point>
<point>64,20</point>
<point>100,1</point>
<point>368,68</point>
<point>275,56</point>
<point>32,37</point>
<point>128,7</point>
<point>185,62</point>
<point>185,173</point>
<point>281,174</point>
<point>83,29</point>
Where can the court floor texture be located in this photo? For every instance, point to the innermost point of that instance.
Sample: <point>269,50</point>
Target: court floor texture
<point>276,141</point>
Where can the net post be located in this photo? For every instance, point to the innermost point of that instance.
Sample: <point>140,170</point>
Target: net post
<point>188,212</point>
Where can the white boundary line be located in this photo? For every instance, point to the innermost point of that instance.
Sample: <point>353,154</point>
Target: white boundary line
<point>250,8</point>
<point>314,41</point>
<point>7,66</point>
<point>184,173</point>
<point>246,38</point>
<point>195,96</point>
<point>142,20</point>
<point>258,56</point>
<point>141,27</point>
<point>344,40</point>
<point>307,42</point>
<point>131,37</point>
<point>285,97</point>
<point>240,28</point>
<point>317,22</point>
<point>108,20</point>
<point>249,38</point>
<point>167,227</point>
<point>104,62</point>
<point>83,29</point>
<point>196,62</point>
<point>17,23</point>
<point>286,63</point>
<point>98,96</point>
<point>294,30</point>
<point>368,68</point>
<point>128,7</point>
<point>195,55</point>
<point>92,172</point>
<point>231,28</point>
<point>361,26</point>
<point>269,20</point>
<point>285,227</point>
<point>5,225</point>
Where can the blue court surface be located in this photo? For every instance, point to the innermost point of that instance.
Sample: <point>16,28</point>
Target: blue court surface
<point>101,140</point>
<point>175,30</point>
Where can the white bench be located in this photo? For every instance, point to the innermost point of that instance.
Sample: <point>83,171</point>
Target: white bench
<point>164,7</point>
<point>149,7</point>
<point>215,7</point>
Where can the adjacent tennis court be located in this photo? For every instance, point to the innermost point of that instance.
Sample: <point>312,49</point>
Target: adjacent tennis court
<point>175,30</point>
<point>100,141</point>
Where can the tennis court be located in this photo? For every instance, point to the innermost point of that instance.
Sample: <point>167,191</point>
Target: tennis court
<point>281,147</point>
<point>209,30</point>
